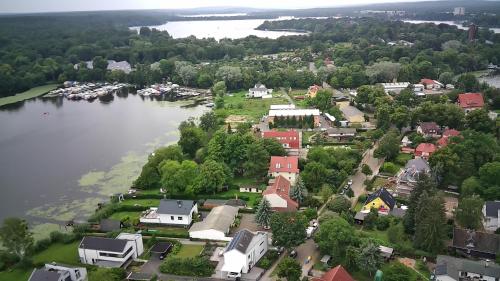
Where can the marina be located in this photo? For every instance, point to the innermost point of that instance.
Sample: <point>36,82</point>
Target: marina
<point>86,91</point>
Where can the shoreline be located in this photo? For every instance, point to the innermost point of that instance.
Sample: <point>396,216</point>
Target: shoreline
<point>29,94</point>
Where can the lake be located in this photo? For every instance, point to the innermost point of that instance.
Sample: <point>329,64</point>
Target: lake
<point>459,26</point>
<point>60,158</point>
<point>219,29</point>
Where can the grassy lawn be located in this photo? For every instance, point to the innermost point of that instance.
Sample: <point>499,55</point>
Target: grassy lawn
<point>168,230</point>
<point>62,253</point>
<point>403,158</point>
<point>359,206</point>
<point>122,216</point>
<point>31,93</point>
<point>306,135</point>
<point>232,193</point>
<point>245,181</point>
<point>16,274</point>
<point>142,202</point>
<point>189,251</point>
<point>238,104</point>
<point>376,234</point>
<point>379,182</point>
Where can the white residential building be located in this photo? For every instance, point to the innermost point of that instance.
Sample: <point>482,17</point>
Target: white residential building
<point>110,252</point>
<point>259,91</point>
<point>244,251</point>
<point>59,272</point>
<point>395,87</point>
<point>491,214</point>
<point>171,212</point>
<point>216,225</point>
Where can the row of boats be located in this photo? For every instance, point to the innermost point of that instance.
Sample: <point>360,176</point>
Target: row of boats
<point>86,91</point>
<point>172,90</point>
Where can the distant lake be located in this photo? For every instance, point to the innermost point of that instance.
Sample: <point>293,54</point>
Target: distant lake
<point>459,26</point>
<point>219,29</point>
<point>59,158</point>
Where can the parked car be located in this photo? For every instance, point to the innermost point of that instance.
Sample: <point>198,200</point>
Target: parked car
<point>293,254</point>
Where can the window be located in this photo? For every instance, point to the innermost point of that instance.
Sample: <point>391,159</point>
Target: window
<point>261,243</point>
<point>261,251</point>
<point>289,166</point>
<point>77,273</point>
<point>179,218</point>
<point>172,218</point>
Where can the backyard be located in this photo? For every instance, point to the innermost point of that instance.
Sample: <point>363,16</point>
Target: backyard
<point>189,251</point>
<point>238,104</point>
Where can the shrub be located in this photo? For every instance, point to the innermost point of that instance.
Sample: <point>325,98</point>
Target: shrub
<point>395,233</point>
<point>389,168</point>
<point>362,198</point>
<point>311,202</point>
<point>7,260</point>
<point>41,245</point>
<point>197,266</point>
<point>310,214</point>
<point>339,204</point>
<point>383,223</point>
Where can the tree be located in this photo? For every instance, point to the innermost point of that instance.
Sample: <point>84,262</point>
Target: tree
<point>469,212</point>
<point>396,233</point>
<point>212,177</point>
<point>489,173</point>
<point>366,170</point>
<point>351,258</point>
<point>273,147</point>
<point>325,192</point>
<point>470,186</point>
<point>468,83</point>
<point>208,121</point>
<point>178,177</point>
<point>397,272</point>
<point>389,146</point>
<point>430,231</point>
<point>334,236</point>
<point>191,139</point>
<point>370,219</point>
<point>323,100</point>
<point>314,175</point>
<point>289,269</point>
<point>16,237</point>
<point>231,75</point>
<point>424,184</point>
<point>339,204</point>
<point>400,117</point>
<point>289,229</point>
<point>369,258</point>
<point>298,191</point>
<point>480,121</point>
<point>257,161</point>
<point>219,89</point>
<point>186,72</point>
<point>384,71</point>
<point>263,213</point>
<point>446,78</point>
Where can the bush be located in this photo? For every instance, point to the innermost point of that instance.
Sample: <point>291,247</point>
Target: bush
<point>395,233</point>
<point>197,266</point>
<point>339,204</point>
<point>41,245</point>
<point>7,260</point>
<point>362,198</point>
<point>383,223</point>
<point>389,168</point>
<point>268,259</point>
<point>310,214</point>
<point>311,202</point>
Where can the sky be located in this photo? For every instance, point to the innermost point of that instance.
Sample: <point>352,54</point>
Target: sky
<point>33,6</point>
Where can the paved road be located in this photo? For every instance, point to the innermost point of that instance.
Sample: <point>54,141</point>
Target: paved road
<point>308,249</point>
<point>358,178</point>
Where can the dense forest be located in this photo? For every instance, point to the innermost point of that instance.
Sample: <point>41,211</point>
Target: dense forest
<point>38,49</point>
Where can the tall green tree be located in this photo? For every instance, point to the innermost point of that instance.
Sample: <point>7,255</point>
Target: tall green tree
<point>424,184</point>
<point>366,170</point>
<point>469,212</point>
<point>397,272</point>
<point>298,191</point>
<point>290,269</point>
<point>16,237</point>
<point>314,175</point>
<point>334,236</point>
<point>211,178</point>
<point>369,258</point>
<point>263,213</point>
<point>389,146</point>
<point>289,229</point>
<point>191,139</point>
<point>178,177</point>
<point>208,121</point>
<point>257,161</point>
<point>480,121</point>
<point>430,231</point>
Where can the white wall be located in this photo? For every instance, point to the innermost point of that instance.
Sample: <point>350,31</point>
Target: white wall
<point>289,176</point>
<point>490,223</point>
<point>276,201</point>
<point>209,234</point>
<point>89,256</point>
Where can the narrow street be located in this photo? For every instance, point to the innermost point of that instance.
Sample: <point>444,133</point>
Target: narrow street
<point>358,178</point>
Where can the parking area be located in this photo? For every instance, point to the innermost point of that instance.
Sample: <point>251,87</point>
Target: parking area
<point>248,222</point>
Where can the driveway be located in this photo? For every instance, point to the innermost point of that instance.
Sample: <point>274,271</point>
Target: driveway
<point>247,221</point>
<point>358,178</point>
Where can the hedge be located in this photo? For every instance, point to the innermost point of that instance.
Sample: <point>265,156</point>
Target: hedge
<point>197,266</point>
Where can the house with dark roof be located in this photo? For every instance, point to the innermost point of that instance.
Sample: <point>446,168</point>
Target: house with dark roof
<point>171,212</point>
<point>341,134</point>
<point>429,129</point>
<point>476,243</point>
<point>408,176</point>
<point>243,252</point>
<point>285,166</point>
<point>278,196</point>
<point>381,200</point>
<point>457,269</point>
<point>58,272</point>
<point>110,252</point>
<point>491,215</point>
<point>470,101</point>
<point>337,273</point>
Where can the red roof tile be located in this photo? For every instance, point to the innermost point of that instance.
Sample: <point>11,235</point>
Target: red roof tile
<point>442,141</point>
<point>470,100</point>
<point>290,138</point>
<point>425,147</point>
<point>281,187</point>
<point>427,81</point>
<point>337,273</point>
<point>286,164</point>
<point>451,133</point>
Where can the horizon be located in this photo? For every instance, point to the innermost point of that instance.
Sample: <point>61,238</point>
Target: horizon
<point>58,6</point>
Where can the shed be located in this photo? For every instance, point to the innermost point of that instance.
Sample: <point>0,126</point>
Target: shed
<point>386,252</point>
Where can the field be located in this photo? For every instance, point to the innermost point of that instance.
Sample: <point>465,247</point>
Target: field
<point>231,194</point>
<point>122,216</point>
<point>238,104</point>
<point>61,253</point>
<point>189,251</point>
<point>141,202</point>
<point>31,93</point>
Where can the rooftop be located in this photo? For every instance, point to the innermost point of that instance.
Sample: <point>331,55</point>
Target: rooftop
<point>475,240</point>
<point>281,187</point>
<point>103,244</point>
<point>470,100</point>
<point>284,137</point>
<point>220,218</point>
<point>426,147</point>
<point>294,112</point>
<point>44,275</point>
<point>383,194</point>
<point>175,207</point>
<point>288,164</point>
<point>337,273</point>
<point>451,266</point>
<point>241,241</point>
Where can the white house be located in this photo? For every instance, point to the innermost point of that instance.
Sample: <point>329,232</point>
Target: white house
<point>171,212</point>
<point>491,214</point>
<point>58,272</point>
<point>457,269</point>
<point>259,91</point>
<point>216,225</point>
<point>243,252</point>
<point>110,252</point>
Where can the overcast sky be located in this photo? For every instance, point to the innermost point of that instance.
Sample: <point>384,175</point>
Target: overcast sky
<point>30,6</point>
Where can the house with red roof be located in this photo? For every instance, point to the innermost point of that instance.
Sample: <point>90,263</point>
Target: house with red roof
<point>285,166</point>
<point>289,139</point>
<point>337,273</point>
<point>470,101</point>
<point>451,133</point>
<point>430,84</point>
<point>425,150</point>
<point>278,196</point>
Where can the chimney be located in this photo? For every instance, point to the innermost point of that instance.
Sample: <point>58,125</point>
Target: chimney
<point>179,203</point>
